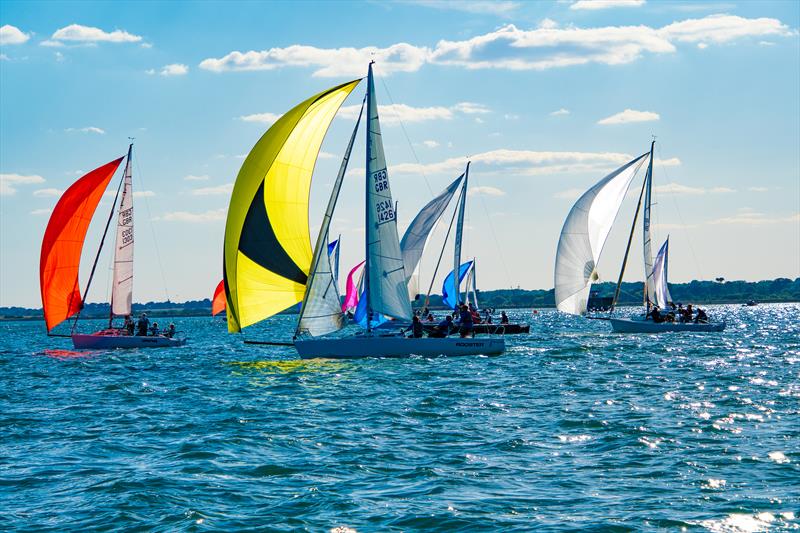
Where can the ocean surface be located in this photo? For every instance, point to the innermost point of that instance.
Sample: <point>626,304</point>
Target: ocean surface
<point>573,428</point>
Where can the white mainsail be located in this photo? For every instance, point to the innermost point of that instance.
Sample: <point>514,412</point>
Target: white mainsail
<point>385,280</point>
<point>661,290</point>
<point>122,289</point>
<point>649,288</point>
<point>459,236</point>
<point>321,310</point>
<point>584,234</point>
<point>416,236</point>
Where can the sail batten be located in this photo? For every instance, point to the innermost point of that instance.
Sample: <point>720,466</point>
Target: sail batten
<point>584,234</point>
<point>267,250</point>
<point>63,241</point>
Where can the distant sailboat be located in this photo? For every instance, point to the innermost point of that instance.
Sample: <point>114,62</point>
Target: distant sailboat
<point>61,255</point>
<point>218,301</point>
<point>583,237</point>
<point>270,266</point>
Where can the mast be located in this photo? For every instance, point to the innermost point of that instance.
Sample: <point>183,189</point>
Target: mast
<point>366,200</point>
<point>628,249</point>
<point>459,234</point>
<point>649,285</point>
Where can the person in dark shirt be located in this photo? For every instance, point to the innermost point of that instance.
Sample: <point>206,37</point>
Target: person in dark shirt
<point>443,328</point>
<point>142,325</point>
<point>655,314</point>
<point>417,330</point>
<point>129,326</point>
<point>466,322</point>
<point>701,318</point>
<point>503,317</point>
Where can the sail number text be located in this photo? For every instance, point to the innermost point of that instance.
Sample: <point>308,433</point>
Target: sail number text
<point>380,181</point>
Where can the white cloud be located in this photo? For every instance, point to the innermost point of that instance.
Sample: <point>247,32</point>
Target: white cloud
<point>605,4</point>
<point>8,182</point>
<point>522,162</point>
<point>722,29</point>
<point>48,192</point>
<point>757,189</point>
<point>328,62</point>
<point>478,120</point>
<point>511,116</point>
<point>185,216</point>
<point>392,114</point>
<point>143,194</point>
<point>150,71</point>
<point>174,69</point>
<point>471,108</point>
<point>89,34</point>
<point>40,212</point>
<point>430,144</point>
<point>749,217</point>
<point>629,115</point>
<point>146,45</point>
<point>547,46</point>
<point>326,155</point>
<point>12,35</point>
<point>677,188</point>
<point>766,43</point>
<point>52,44</point>
<point>485,190</point>
<point>560,112</point>
<point>478,7</point>
<point>88,129</point>
<point>226,188</point>
<point>702,46</point>
<point>59,56</point>
<point>263,118</point>
<point>4,57</point>
<point>671,162</point>
<point>192,177</point>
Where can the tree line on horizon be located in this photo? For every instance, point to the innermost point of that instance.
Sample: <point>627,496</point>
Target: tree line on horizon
<point>699,292</point>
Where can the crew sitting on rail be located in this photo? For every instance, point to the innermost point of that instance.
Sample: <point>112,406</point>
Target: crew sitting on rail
<point>467,329</point>
<point>701,318</point>
<point>443,328</point>
<point>154,329</point>
<point>655,314</point>
<point>503,317</point>
<point>171,330</point>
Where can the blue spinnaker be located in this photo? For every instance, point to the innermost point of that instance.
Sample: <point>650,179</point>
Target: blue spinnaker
<point>449,292</point>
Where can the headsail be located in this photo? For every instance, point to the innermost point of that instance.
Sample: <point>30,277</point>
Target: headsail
<point>353,289</point>
<point>649,286</point>
<point>60,257</point>
<point>122,289</point>
<point>333,253</point>
<point>416,236</point>
<point>267,245</point>
<point>218,302</point>
<point>385,282</point>
<point>662,295</point>
<point>321,311</point>
<point>449,294</point>
<point>584,233</point>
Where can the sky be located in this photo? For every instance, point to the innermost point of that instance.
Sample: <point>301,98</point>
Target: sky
<point>545,98</point>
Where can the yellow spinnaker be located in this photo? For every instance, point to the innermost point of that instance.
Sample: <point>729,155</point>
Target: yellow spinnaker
<point>267,242</point>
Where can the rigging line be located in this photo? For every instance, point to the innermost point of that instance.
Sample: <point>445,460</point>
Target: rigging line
<point>408,139</point>
<point>684,228</point>
<point>152,229</point>
<point>494,238</point>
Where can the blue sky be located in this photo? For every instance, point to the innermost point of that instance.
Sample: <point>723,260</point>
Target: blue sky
<point>545,98</point>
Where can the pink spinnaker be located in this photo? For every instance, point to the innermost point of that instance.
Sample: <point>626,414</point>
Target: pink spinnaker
<point>351,294</point>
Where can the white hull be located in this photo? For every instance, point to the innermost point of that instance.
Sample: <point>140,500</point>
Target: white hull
<point>395,346</point>
<point>625,325</point>
<point>104,340</point>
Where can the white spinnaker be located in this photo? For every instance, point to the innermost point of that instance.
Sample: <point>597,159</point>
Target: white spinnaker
<point>321,311</point>
<point>660,267</point>
<point>584,234</point>
<point>646,236</point>
<point>386,288</point>
<point>122,289</point>
<point>416,236</point>
<point>459,236</point>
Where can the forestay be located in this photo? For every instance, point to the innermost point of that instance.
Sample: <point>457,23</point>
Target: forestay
<point>661,290</point>
<point>122,289</point>
<point>584,234</point>
<point>385,282</point>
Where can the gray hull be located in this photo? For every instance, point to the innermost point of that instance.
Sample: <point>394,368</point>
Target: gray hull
<point>357,347</point>
<point>110,342</point>
<point>625,325</point>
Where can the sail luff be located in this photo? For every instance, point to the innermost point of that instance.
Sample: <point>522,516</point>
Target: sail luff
<point>122,288</point>
<point>649,286</point>
<point>460,234</point>
<point>320,312</point>
<point>386,288</point>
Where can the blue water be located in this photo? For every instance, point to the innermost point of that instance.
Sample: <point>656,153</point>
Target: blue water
<point>573,428</point>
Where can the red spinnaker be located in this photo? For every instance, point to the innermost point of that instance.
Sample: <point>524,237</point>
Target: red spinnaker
<point>218,303</point>
<point>63,243</point>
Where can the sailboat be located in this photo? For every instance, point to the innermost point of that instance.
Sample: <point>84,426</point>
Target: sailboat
<point>218,301</point>
<point>60,259</point>
<point>583,237</point>
<point>269,264</point>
